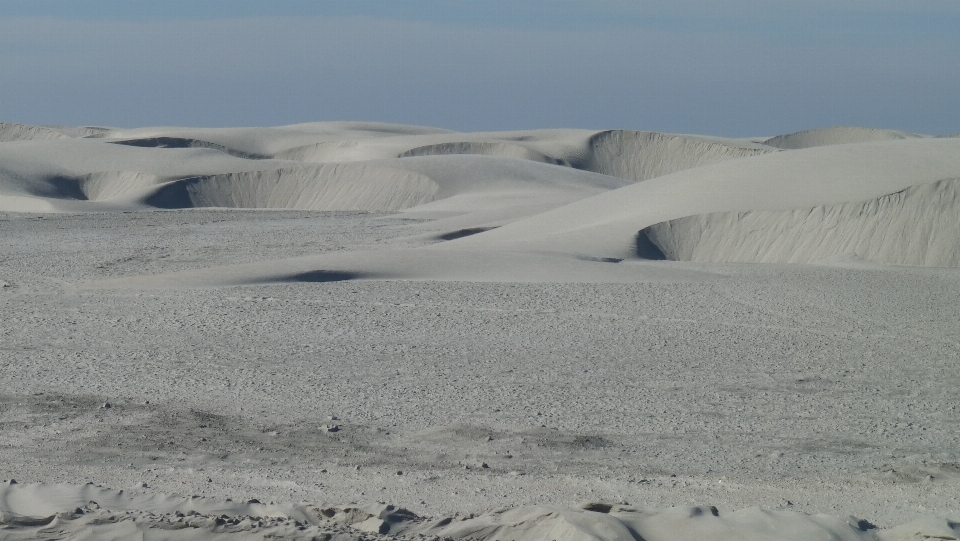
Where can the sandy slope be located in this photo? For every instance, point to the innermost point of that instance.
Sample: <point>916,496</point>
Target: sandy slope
<point>914,226</point>
<point>606,225</point>
<point>92,512</point>
<point>482,340</point>
<point>835,136</point>
<point>367,166</point>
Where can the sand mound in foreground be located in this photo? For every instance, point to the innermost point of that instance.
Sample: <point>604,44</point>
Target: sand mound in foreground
<point>38,511</point>
<point>835,136</point>
<point>915,226</point>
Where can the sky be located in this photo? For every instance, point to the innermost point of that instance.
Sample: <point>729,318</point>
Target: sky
<point>733,68</point>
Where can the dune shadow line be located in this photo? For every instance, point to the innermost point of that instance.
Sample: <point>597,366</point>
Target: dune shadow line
<point>646,249</point>
<point>322,276</point>
<point>460,233</point>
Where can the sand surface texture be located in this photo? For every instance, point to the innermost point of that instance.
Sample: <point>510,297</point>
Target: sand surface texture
<point>370,331</point>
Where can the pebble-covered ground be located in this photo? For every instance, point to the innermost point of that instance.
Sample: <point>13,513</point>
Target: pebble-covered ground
<point>818,389</point>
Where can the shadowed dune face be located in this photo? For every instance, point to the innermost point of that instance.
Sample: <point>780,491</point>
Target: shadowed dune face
<point>317,276</point>
<point>109,185</point>
<point>324,187</point>
<point>460,233</point>
<point>647,249</point>
<point>181,142</point>
<point>915,226</point>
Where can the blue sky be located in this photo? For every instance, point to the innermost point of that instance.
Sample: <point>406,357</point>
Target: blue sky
<point>723,67</point>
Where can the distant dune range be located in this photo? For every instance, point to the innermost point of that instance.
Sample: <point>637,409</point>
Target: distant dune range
<point>829,195</point>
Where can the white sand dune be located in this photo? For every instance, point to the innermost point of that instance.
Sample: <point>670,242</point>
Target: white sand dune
<point>93,512</point>
<point>493,177</point>
<point>644,155</point>
<point>623,154</point>
<point>570,189</point>
<point>835,136</point>
<point>24,132</point>
<point>265,142</point>
<point>915,226</point>
<point>607,225</point>
<point>320,187</point>
<point>548,146</point>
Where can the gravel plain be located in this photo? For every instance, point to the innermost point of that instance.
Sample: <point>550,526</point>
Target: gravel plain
<point>819,389</point>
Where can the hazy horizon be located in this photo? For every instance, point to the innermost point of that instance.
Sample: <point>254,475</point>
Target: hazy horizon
<point>734,68</point>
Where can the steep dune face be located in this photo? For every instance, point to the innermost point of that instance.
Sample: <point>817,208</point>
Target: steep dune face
<point>835,136</point>
<point>644,155</point>
<point>111,185</point>
<point>23,132</point>
<point>322,187</point>
<point>606,225</point>
<point>915,226</point>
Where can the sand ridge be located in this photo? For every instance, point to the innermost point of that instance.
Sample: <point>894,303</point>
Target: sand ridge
<point>89,511</point>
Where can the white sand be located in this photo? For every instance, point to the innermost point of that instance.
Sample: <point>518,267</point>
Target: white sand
<point>474,311</point>
<point>835,136</point>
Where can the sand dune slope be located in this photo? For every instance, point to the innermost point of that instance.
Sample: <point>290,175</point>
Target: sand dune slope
<point>83,174</point>
<point>624,154</point>
<point>24,132</point>
<point>547,146</point>
<point>93,512</point>
<point>915,226</point>
<point>645,155</point>
<point>607,225</point>
<point>321,187</point>
<point>835,136</point>
<point>265,142</point>
<point>302,167</point>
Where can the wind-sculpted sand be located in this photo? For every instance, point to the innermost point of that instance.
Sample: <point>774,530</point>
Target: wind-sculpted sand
<point>371,331</point>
